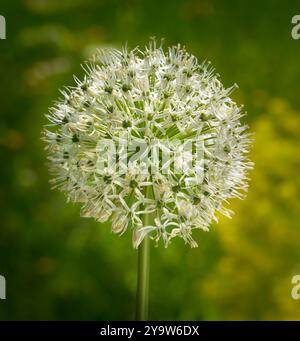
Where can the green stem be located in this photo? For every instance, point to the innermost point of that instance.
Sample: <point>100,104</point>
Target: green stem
<point>142,294</point>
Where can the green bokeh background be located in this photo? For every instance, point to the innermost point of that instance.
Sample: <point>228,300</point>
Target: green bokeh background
<point>60,266</point>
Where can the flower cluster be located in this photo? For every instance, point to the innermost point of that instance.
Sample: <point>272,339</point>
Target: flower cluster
<point>149,95</point>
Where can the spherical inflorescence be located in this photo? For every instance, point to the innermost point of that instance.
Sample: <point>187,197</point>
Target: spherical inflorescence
<point>136,100</point>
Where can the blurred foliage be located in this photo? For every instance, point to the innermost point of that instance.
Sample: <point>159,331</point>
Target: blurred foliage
<point>61,266</point>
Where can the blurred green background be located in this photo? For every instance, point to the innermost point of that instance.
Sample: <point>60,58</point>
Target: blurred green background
<point>60,266</point>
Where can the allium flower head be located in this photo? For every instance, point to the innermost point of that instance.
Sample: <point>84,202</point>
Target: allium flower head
<point>179,149</point>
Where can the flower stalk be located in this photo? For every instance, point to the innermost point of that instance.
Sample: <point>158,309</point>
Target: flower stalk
<point>142,293</point>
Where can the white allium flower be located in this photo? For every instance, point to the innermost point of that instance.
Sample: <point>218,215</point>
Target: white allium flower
<point>145,98</point>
